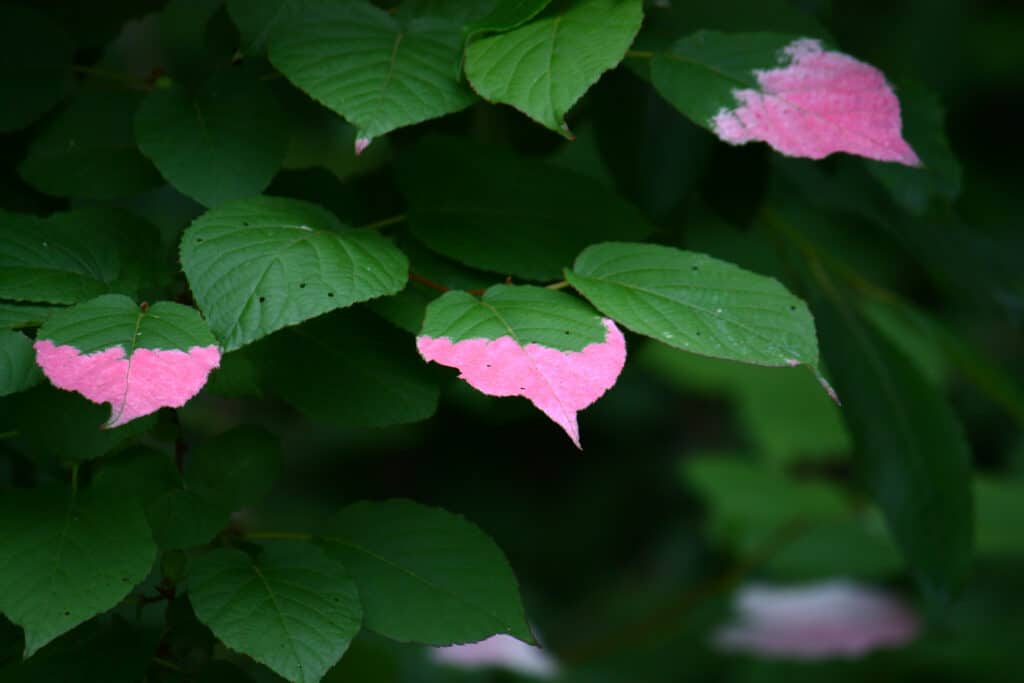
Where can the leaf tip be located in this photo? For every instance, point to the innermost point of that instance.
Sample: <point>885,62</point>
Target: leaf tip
<point>361,144</point>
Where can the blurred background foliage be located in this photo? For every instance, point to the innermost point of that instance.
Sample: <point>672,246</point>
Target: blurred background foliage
<point>697,474</point>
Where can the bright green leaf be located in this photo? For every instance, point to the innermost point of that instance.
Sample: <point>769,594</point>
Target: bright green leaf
<point>18,369</point>
<point>88,150</point>
<point>696,303</point>
<point>261,264</point>
<point>542,68</point>
<point>35,65</point>
<point>291,608</point>
<point>65,558</point>
<point>490,209</point>
<point>379,72</point>
<point>426,575</point>
<point>209,144</point>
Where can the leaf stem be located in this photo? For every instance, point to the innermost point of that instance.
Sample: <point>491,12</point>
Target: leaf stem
<point>426,282</point>
<point>561,284</point>
<point>9,435</point>
<point>112,76</point>
<point>384,222</point>
<point>277,535</point>
<point>639,54</point>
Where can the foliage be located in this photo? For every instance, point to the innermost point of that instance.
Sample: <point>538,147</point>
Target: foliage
<point>264,231</point>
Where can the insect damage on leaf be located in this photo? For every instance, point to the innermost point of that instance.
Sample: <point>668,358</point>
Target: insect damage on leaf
<point>521,340</point>
<point>817,103</point>
<point>138,361</point>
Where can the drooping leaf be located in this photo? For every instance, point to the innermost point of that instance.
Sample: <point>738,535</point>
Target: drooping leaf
<point>489,209</point>
<point>18,316</point>
<point>291,608</point>
<point>88,150</point>
<point>236,468</point>
<point>137,359</point>
<point>70,257</point>
<point>911,450</point>
<point>257,20</point>
<point>696,303</point>
<point>18,369</point>
<point>543,67</point>
<point>349,368</point>
<point>426,575</point>
<point>207,143</point>
<point>65,557</point>
<point>790,92</point>
<point>939,175</point>
<point>261,264</point>
<point>33,78</point>
<point>403,72</point>
<point>540,344</point>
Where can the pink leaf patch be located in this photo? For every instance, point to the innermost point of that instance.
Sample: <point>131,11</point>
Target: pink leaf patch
<point>144,382</point>
<point>819,103</point>
<point>559,383</point>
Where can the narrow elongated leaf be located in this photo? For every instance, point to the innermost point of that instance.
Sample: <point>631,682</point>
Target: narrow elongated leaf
<point>291,608</point>
<point>379,72</point>
<point>790,92</point>
<point>88,150</point>
<point>489,209</point>
<point>261,264</point>
<point>64,557</point>
<point>426,575</point>
<point>912,452</point>
<point>32,78</point>
<point>696,303</point>
<point>208,144</point>
<point>18,369</point>
<point>136,359</point>
<point>540,344</point>
<point>70,257</point>
<point>542,68</point>
<point>349,368</point>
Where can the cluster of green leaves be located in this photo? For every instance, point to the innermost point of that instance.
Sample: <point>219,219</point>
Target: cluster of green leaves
<point>312,175</point>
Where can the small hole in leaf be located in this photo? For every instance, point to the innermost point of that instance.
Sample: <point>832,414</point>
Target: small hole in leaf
<point>698,333</point>
<point>262,299</point>
<point>792,308</point>
<point>487,365</point>
<point>567,332</point>
<point>198,240</point>
<point>694,268</point>
<point>302,285</point>
<point>522,388</point>
<point>330,293</point>
<point>245,223</point>
<point>67,613</point>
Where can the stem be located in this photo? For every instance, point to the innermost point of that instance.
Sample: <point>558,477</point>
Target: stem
<point>278,535</point>
<point>9,435</point>
<point>416,277</point>
<point>383,223</point>
<point>113,76</point>
<point>640,54</point>
<point>561,284</point>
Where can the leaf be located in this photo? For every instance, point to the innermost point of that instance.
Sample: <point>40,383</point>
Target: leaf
<point>261,264</point>
<point>208,144</point>
<point>489,209</point>
<point>18,316</point>
<point>505,15</point>
<point>137,359</point>
<point>542,68</point>
<point>426,575</point>
<point>70,257</point>
<point>87,150</point>
<point>257,20</point>
<point>858,548</point>
<point>792,93</point>
<point>939,175</point>
<point>66,557</point>
<point>185,38</point>
<point>236,468</point>
<point>1000,514</point>
<point>32,79</point>
<point>540,344</point>
<point>18,370</point>
<point>291,608</point>
<point>401,73</point>
<point>354,355</point>
<point>911,450</point>
<point>696,303</point>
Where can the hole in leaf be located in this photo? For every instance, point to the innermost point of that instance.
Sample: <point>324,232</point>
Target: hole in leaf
<point>198,240</point>
<point>302,285</point>
<point>792,308</point>
<point>262,299</point>
<point>245,223</point>
<point>694,268</point>
<point>330,293</point>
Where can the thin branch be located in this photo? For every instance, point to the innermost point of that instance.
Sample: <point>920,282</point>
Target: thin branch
<point>114,77</point>
<point>277,535</point>
<point>561,284</point>
<point>384,222</point>
<point>639,54</point>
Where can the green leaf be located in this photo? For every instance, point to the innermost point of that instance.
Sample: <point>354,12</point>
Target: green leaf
<point>65,558</point>
<point>35,65</point>
<point>696,303</point>
<point>1000,516</point>
<point>236,468</point>
<point>186,41</point>
<point>924,128</point>
<point>257,20</point>
<point>911,450</point>
<point>18,369</point>
<point>854,547</point>
<point>349,368</point>
<point>402,73</point>
<point>504,15</point>
<point>542,68</point>
<point>530,315</point>
<point>88,151</point>
<point>209,144</point>
<point>258,265</point>
<point>426,575</point>
<point>490,209</point>
<point>291,608</point>
<point>70,257</point>
<point>17,316</point>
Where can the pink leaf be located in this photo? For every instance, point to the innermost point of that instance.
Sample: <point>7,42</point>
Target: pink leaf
<point>141,384</point>
<point>820,102</point>
<point>500,651</point>
<point>559,383</point>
